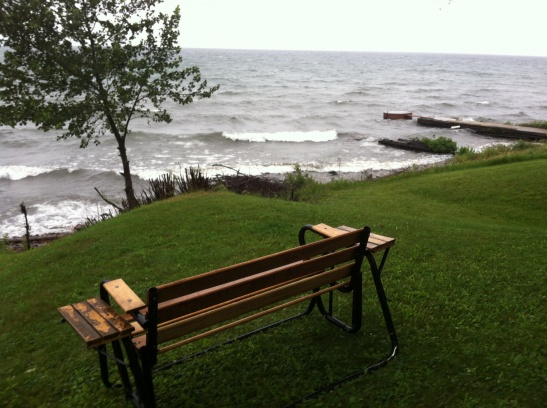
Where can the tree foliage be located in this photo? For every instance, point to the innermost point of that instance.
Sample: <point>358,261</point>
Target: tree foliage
<point>89,67</point>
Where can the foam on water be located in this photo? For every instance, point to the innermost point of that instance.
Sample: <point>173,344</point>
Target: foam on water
<point>291,137</point>
<point>21,172</point>
<point>47,218</point>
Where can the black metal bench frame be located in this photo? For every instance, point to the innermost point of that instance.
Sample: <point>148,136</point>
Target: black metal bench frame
<point>141,363</point>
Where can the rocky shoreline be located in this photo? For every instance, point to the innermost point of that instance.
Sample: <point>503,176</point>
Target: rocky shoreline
<point>19,244</point>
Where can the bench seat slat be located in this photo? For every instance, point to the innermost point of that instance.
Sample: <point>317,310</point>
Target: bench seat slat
<point>222,293</point>
<point>95,321</point>
<point>230,311</point>
<point>85,330</point>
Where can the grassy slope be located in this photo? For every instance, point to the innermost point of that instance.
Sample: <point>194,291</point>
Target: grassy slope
<point>466,282</point>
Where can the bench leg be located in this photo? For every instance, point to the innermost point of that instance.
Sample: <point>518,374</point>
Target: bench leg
<point>122,366</point>
<point>376,272</point>
<point>122,371</point>
<point>103,364</point>
<point>356,311</point>
<point>142,374</point>
<point>376,276</point>
<point>355,286</point>
<point>143,395</point>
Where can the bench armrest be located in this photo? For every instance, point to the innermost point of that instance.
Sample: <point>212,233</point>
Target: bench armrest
<point>123,295</point>
<point>328,231</point>
<point>376,243</point>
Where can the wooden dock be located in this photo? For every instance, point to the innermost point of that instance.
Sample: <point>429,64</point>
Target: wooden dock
<point>486,128</point>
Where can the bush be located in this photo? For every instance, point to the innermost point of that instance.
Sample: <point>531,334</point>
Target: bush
<point>519,149</point>
<point>536,124</point>
<point>465,151</point>
<point>439,145</point>
<point>296,182</point>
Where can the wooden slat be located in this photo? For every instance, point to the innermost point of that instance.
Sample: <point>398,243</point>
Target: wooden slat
<point>375,243</point>
<point>247,318</point>
<point>217,305</point>
<point>201,321</point>
<point>249,285</point>
<point>95,321</point>
<point>137,328</point>
<point>346,228</point>
<point>239,271</point>
<point>124,295</point>
<point>328,231</point>
<point>378,243</point>
<point>80,325</point>
<point>94,318</point>
<point>114,319</point>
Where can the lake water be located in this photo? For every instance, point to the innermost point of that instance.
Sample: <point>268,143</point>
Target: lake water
<point>274,109</point>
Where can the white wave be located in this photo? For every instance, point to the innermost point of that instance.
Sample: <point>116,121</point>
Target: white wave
<point>295,137</point>
<point>353,166</point>
<point>47,217</point>
<point>21,172</point>
<point>150,174</point>
<point>208,164</point>
<point>483,103</point>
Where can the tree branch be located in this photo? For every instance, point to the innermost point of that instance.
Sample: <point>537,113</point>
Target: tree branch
<point>116,206</point>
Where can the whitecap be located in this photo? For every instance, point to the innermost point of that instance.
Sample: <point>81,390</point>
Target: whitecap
<point>149,174</point>
<point>48,217</point>
<point>289,136</point>
<point>21,172</point>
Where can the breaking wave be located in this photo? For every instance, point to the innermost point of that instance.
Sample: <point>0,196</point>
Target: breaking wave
<point>289,136</point>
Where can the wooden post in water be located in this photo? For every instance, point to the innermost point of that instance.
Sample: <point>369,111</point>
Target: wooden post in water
<point>27,228</point>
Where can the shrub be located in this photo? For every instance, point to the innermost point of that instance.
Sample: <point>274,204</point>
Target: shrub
<point>536,124</point>
<point>439,145</point>
<point>465,151</point>
<point>170,185</point>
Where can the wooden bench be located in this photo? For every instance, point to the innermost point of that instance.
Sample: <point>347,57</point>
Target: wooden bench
<point>180,312</point>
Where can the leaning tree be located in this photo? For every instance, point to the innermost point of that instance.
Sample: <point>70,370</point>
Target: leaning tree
<point>89,67</point>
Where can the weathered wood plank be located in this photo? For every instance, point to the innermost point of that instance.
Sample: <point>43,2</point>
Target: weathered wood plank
<point>230,311</point>
<point>109,314</point>
<point>328,231</point>
<point>95,322</point>
<point>124,295</point>
<point>253,267</point>
<point>375,242</point>
<point>80,325</point>
<point>252,284</point>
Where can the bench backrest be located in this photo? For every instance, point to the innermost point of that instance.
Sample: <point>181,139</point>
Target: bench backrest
<point>185,306</point>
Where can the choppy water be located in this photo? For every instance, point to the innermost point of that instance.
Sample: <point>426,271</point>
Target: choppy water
<point>322,110</point>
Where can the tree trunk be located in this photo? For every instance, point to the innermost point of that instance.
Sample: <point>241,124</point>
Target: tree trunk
<point>129,192</point>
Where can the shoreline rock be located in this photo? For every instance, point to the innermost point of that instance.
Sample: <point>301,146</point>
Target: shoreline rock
<point>19,244</point>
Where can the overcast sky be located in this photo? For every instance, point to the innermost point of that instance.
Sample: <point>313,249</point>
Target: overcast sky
<point>514,27</point>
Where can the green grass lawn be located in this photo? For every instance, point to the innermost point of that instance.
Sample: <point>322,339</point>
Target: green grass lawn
<point>466,283</point>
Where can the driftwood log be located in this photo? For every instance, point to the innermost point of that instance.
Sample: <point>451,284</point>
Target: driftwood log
<point>406,144</point>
